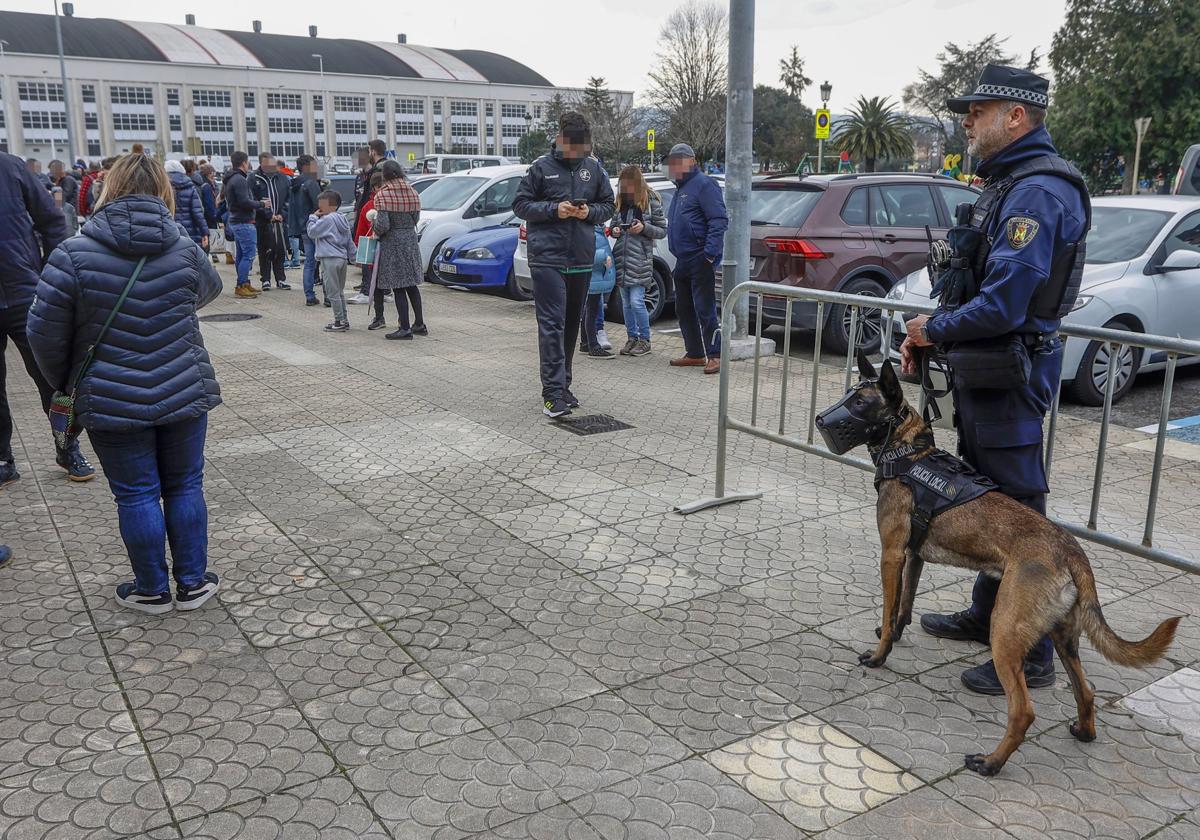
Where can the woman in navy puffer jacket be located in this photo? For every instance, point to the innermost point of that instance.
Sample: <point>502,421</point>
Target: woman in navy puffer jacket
<point>189,209</point>
<point>145,399</point>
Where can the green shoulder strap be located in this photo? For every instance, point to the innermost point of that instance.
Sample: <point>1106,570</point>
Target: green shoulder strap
<point>87,358</point>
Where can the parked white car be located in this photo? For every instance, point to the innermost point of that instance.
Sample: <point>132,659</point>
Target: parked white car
<point>657,297</point>
<point>462,202</point>
<point>1142,274</point>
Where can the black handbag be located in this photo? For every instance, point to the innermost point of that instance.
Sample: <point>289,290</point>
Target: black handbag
<point>999,363</point>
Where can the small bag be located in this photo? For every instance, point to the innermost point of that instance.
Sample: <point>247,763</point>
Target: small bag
<point>999,363</point>
<point>365,254</point>
<point>63,421</point>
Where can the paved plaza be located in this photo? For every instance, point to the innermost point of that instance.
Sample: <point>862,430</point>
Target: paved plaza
<point>442,616</point>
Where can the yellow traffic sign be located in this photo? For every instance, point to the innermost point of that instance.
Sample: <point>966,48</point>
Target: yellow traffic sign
<point>650,140</point>
<point>412,156</point>
<point>822,129</point>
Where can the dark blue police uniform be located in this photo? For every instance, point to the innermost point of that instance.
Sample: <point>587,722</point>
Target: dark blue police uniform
<point>1000,431</point>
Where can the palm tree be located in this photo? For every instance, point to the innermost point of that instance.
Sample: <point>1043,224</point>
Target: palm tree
<point>874,131</point>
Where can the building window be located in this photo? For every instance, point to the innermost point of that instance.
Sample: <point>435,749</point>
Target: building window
<point>437,107</point>
<point>175,122</point>
<point>248,100</point>
<point>172,96</point>
<point>286,102</point>
<point>44,120</point>
<point>512,111</point>
<point>251,125</point>
<point>216,147</point>
<point>346,149</point>
<point>350,127</point>
<point>212,99</point>
<point>40,91</point>
<point>126,95</point>
<point>512,130</point>
<point>320,148</point>
<point>354,104</point>
<point>252,148</point>
<point>489,111</point>
<point>459,108</point>
<point>207,124</point>
<point>143,123</point>
<point>410,106</point>
<point>91,121</point>
<point>88,93</point>
<point>177,146</point>
<point>464,148</point>
<point>287,148</point>
<point>318,102</point>
<point>380,105</point>
<point>410,128</point>
<point>285,125</point>
<point>93,148</point>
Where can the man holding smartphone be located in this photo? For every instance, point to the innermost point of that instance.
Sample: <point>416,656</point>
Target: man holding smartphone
<point>562,198</point>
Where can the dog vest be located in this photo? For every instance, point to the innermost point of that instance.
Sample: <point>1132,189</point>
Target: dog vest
<point>938,482</point>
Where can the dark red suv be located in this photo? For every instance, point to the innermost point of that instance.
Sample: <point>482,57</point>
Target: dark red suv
<point>859,234</point>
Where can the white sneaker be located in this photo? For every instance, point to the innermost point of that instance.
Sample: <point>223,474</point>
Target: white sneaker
<point>194,599</point>
<point>602,340</point>
<point>358,298</point>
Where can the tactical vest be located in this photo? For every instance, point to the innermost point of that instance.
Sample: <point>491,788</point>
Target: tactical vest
<point>938,482</point>
<point>1057,297</point>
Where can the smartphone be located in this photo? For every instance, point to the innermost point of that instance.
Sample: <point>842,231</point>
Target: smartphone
<point>578,202</point>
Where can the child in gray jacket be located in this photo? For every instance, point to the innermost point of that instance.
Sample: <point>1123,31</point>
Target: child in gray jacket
<point>330,232</point>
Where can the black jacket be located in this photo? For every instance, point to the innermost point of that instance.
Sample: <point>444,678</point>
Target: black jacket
<point>25,207</point>
<point>302,203</point>
<point>362,187</point>
<point>239,198</point>
<point>563,243</point>
<point>276,187</point>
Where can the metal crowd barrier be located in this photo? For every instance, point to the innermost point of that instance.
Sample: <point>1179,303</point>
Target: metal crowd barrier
<point>776,432</point>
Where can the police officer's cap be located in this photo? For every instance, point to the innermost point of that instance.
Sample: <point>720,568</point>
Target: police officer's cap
<point>1009,83</point>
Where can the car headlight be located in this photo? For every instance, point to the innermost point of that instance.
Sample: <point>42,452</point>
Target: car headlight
<point>898,291</point>
<point>1082,301</point>
<point>478,254</point>
<point>421,229</point>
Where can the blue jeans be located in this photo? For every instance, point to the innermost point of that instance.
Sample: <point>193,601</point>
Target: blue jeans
<point>696,306</point>
<point>157,478</point>
<point>246,238</point>
<point>294,245</point>
<point>600,311</point>
<point>637,317</point>
<point>310,268</point>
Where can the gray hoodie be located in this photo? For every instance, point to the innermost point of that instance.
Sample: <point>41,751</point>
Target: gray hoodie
<point>331,235</point>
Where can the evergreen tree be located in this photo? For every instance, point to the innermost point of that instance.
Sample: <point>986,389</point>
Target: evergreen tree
<point>791,74</point>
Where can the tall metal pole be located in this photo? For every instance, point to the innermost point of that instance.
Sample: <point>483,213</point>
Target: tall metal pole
<point>1141,124</point>
<point>62,69</point>
<point>739,157</point>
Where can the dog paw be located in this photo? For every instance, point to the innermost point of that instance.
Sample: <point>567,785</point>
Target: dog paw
<point>979,763</point>
<point>870,660</point>
<point>1081,735</point>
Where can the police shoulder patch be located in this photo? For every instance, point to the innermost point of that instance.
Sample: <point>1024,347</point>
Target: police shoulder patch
<point>1021,230</point>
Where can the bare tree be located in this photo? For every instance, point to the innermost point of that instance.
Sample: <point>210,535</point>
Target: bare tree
<point>689,82</point>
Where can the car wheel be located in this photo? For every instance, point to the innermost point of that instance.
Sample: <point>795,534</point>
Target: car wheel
<point>870,330</point>
<point>514,290</point>
<point>1098,363</point>
<point>430,274</point>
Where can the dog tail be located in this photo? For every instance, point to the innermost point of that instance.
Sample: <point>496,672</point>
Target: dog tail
<point>1111,646</point>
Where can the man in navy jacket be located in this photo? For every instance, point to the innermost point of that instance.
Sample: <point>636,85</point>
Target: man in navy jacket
<point>696,226</point>
<point>30,228</point>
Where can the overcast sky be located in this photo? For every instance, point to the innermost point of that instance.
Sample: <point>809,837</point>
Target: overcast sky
<point>870,47</point>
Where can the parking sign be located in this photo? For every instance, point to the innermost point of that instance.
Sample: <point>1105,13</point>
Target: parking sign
<point>822,129</point>
<point>650,140</point>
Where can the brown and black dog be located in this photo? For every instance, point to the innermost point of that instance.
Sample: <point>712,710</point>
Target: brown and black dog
<point>1047,584</point>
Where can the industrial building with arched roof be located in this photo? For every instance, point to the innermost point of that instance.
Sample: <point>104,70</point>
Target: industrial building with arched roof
<point>184,89</point>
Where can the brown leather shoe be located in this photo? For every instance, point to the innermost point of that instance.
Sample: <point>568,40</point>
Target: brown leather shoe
<point>687,361</point>
<point>712,366</point>
<point>245,291</point>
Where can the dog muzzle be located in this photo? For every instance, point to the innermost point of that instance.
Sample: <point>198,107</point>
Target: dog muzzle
<point>841,428</point>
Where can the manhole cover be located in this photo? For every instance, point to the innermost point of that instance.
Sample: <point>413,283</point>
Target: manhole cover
<point>592,424</point>
<point>225,317</point>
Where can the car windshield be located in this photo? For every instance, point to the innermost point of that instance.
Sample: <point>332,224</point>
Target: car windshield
<point>1120,234</point>
<point>450,193</point>
<point>782,207</point>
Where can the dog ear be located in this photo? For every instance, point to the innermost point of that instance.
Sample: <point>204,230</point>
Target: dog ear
<point>865,369</point>
<point>889,385</point>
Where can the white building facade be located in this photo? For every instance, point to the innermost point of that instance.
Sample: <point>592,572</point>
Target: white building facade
<point>184,90</point>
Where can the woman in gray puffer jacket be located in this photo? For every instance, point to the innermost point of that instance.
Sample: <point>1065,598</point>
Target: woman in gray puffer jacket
<point>639,220</point>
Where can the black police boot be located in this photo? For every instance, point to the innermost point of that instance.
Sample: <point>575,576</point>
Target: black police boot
<point>982,679</point>
<point>961,627</point>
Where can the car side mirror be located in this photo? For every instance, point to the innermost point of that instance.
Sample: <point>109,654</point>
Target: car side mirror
<point>1181,260</point>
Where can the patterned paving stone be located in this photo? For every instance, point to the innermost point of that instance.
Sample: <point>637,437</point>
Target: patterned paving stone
<point>174,641</point>
<point>233,762</point>
<point>1174,700</point>
<point>371,557</point>
<point>457,632</point>
<point>655,583</point>
<point>408,592</point>
<point>403,504</point>
<point>813,774</point>
<point>735,560</point>
<point>560,823</point>
<point>579,482</point>
<point>709,704</point>
<point>542,521</point>
<point>113,794</point>
<point>388,717</point>
<point>515,566</point>
<point>512,683</point>
<point>725,622</point>
<point>328,664</point>
<point>300,615</point>
<point>590,744</point>
<point>590,551</point>
<point>451,789</point>
<point>925,813</point>
<point>70,664</point>
<point>813,593</point>
<point>681,802</point>
<point>615,506</point>
<point>261,574</point>
<point>627,649</point>
<point>460,538</point>
<point>571,603</point>
<point>329,809</point>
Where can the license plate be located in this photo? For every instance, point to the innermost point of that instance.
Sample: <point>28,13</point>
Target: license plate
<point>447,268</point>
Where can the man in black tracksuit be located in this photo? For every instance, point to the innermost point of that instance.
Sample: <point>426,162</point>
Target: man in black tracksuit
<point>271,187</point>
<point>562,198</point>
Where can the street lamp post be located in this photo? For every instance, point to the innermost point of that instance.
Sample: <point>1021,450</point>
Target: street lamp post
<point>528,130</point>
<point>826,92</point>
<point>1141,125</point>
<point>62,69</point>
<point>324,105</point>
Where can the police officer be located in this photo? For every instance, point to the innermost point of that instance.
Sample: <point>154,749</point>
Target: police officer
<point>1033,216</point>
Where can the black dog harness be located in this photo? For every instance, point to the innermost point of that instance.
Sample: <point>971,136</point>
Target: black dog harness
<point>937,479</point>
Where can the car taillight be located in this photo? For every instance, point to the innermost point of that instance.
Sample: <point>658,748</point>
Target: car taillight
<point>794,246</point>
<point>523,235</point>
